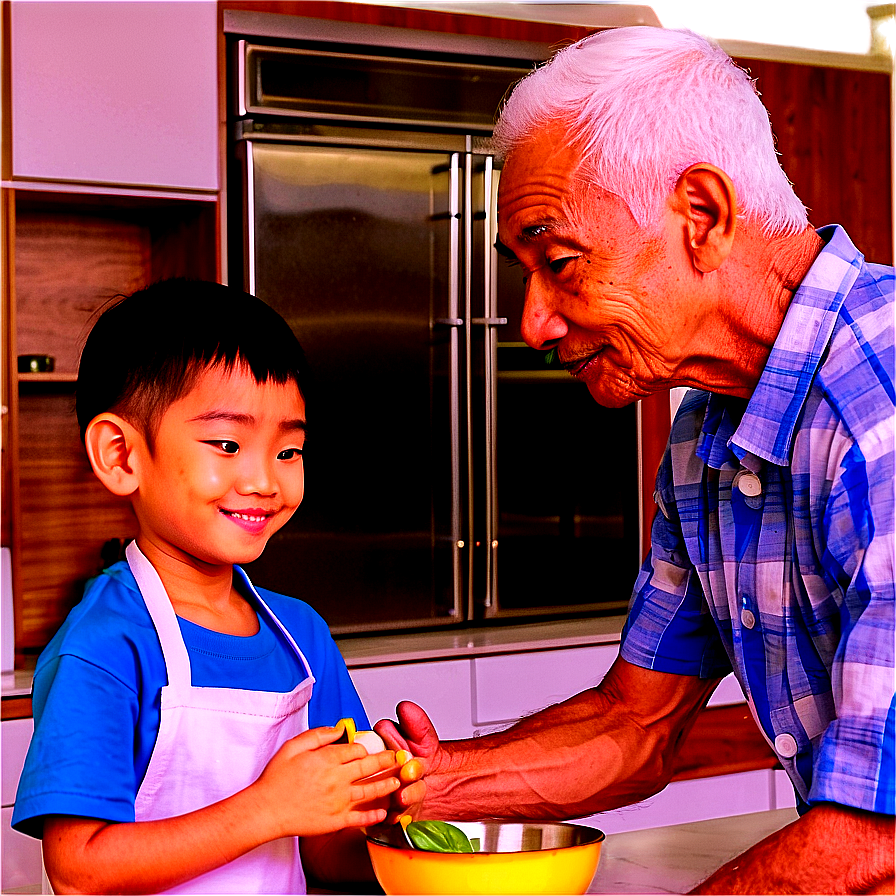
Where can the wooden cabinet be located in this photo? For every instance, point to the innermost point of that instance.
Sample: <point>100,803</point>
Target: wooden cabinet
<point>115,93</point>
<point>70,253</point>
<point>110,178</point>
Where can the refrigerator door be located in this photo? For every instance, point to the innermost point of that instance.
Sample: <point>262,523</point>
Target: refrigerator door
<point>358,249</point>
<point>557,520</point>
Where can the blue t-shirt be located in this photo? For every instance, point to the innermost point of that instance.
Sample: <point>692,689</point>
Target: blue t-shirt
<point>98,683</point>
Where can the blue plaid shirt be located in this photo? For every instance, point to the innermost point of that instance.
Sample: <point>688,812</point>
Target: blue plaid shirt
<point>773,553</point>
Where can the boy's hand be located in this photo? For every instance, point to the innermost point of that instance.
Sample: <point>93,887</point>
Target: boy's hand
<point>313,785</point>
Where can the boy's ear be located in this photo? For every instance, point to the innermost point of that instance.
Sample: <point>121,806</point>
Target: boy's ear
<point>705,196</point>
<point>110,442</point>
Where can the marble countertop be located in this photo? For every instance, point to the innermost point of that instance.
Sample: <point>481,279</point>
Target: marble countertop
<point>409,647</point>
<point>675,859</point>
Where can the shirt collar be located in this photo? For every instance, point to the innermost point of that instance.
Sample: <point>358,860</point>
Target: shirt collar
<point>767,427</point>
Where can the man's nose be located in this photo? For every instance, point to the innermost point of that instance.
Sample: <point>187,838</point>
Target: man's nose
<point>542,326</point>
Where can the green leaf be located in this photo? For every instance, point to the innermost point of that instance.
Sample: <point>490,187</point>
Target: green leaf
<point>438,836</point>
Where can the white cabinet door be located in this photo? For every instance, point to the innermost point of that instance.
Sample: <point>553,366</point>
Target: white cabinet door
<point>441,688</point>
<point>21,858</point>
<point>115,93</point>
<point>698,799</point>
<point>505,688</point>
<point>15,735</point>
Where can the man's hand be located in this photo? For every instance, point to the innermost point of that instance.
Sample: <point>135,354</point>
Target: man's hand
<point>831,849</point>
<point>416,734</point>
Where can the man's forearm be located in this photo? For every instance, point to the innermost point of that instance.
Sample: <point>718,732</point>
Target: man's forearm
<point>588,754</point>
<point>831,849</point>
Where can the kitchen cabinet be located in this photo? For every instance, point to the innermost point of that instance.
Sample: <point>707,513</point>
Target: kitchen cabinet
<point>21,857</point>
<point>442,688</point>
<point>115,93</point>
<point>68,252</point>
<point>508,687</point>
<point>110,182</point>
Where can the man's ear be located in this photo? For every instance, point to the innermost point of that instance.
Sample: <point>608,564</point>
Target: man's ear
<point>705,196</point>
<point>110,442</point>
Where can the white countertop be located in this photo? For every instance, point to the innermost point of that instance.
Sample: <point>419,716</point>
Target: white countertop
<point>675,859</point>
<point>17,683</point>
<point>410,647</point>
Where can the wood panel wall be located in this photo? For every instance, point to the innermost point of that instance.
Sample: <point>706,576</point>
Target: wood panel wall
<point>72,255</point>
<point>834,136</point>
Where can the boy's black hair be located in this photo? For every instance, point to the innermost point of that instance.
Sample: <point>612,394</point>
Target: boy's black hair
<point>147,350</point>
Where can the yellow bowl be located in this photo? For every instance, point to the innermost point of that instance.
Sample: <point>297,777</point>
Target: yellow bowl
<point>520,858</point>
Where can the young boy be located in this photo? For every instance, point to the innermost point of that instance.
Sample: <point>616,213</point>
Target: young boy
<point>184,720</point>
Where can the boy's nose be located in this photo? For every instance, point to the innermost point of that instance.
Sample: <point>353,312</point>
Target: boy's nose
<point>257,479</point>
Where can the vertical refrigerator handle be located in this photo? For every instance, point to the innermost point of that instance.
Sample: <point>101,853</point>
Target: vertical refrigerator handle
<point>468,377</point>
<point>455,321</point>
<point>249,218</point>
<point>491,321</point>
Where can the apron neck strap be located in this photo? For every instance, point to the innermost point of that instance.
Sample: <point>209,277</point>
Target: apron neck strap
<point>163,616</point>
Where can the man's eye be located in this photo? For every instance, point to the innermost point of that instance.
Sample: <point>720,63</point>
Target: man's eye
<point>558,264</point>
<point>289,454</point>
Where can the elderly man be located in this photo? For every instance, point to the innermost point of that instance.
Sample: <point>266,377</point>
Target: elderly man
<point>663,246</point>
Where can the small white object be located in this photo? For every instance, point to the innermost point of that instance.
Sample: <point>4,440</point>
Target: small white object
<point>747,618</point>
<point>370,740</point>
<point>785,746</point>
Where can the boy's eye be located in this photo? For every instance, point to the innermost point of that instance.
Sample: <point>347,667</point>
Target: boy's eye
<point>225,445</point>
<point>289,454</point>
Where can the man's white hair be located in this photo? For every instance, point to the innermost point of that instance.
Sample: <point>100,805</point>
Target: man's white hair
<point>643,104</point>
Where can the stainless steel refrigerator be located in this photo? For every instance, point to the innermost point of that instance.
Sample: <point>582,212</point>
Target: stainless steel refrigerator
<point>452,475</point>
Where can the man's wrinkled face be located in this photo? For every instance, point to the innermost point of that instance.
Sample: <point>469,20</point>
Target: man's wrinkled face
<point>600,289</point>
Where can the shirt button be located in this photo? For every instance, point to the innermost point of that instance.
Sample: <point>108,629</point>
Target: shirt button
<point>785,746</point>
<point>748,484</point>
<point>747,618</point>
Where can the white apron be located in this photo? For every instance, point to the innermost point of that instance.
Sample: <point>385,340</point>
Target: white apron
<point>213,742</point>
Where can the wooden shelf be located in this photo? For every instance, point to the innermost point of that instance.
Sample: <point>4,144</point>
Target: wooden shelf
<point>48,377</point>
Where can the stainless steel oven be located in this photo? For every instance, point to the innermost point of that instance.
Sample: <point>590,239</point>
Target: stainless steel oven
<point>453,477</point>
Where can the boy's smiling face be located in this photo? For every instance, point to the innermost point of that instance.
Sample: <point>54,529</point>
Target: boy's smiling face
<point>225,472</point>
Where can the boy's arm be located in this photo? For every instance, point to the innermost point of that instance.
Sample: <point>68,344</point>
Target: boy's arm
<point>310,787</point>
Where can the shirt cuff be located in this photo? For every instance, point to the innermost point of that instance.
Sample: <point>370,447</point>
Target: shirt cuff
<point>856,766</point>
